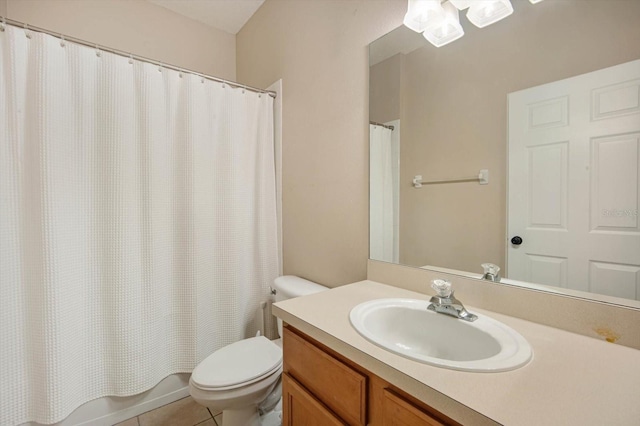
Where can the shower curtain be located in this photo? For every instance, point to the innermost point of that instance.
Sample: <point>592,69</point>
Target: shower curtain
<point>137,222</point>
<point>383,193</point>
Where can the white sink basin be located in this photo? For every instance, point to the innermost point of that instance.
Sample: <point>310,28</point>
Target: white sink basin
<point>406,327</point>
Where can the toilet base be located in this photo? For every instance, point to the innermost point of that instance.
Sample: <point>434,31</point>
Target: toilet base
<point>273,417</point>
<point>251,417</point>
<point>247,416</point>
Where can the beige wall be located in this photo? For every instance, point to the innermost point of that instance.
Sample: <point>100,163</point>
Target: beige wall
<point>135,26</point>
<point>319,49</point>
<point>3,8</point>
<point>455,112</point>
<point>385,89</point>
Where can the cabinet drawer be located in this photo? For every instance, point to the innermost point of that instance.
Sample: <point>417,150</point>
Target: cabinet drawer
<point>337,385</point>
<point>399,412</point>
<point>301,408</point>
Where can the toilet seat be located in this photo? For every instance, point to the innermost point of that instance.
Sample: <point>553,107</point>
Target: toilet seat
<point>238,364</point>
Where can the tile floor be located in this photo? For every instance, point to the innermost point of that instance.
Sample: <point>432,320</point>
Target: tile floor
<point>183,412</point>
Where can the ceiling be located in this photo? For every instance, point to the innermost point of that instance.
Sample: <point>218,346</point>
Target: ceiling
<point>225,15</point>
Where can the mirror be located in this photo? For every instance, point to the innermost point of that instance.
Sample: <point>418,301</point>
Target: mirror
<point>457,110</point>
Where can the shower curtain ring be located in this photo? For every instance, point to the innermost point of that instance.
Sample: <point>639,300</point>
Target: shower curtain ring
<point>62,43</point>
<point>98,54</point>
<point>130,58</point>
<point>3,24</point>
<point>26,31</point>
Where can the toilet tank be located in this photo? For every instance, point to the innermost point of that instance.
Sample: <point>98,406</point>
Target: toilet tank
<point>290,286</point>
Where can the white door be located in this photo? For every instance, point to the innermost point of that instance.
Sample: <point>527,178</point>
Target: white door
<point>574,182</point>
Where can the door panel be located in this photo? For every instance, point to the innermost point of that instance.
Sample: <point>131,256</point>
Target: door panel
<point>614,189</point>
<point>615,279</point>
<point>615,100</point>
<point>547,269</point>
<point>548,168</point>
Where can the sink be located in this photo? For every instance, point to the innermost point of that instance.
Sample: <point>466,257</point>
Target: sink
<point>407,328</point>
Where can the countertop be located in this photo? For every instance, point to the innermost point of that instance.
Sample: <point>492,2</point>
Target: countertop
<point>571,380</point>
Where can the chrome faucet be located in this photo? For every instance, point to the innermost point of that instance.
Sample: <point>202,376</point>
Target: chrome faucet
<point>491,272</point>
<point>446,303</point>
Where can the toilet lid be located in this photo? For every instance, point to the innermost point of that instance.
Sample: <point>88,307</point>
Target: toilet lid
<point>238,363</point>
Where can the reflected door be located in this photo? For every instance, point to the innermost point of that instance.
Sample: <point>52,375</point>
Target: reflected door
<point>574,181</point>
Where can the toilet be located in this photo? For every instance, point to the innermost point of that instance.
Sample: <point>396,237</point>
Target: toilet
<point>243,379</point>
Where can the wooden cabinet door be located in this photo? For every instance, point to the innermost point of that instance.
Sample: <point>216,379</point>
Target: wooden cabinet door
<point>338,386</point>
<point>300,408</point>
<point>398,412</point>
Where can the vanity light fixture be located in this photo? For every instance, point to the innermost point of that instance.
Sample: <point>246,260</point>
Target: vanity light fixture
<point>446,29</point>
<point>440,22</point>
<point>421,13</point>
<point>485,12</point>
<point>461,4</point>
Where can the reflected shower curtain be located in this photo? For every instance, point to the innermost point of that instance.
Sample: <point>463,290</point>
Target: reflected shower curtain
<point>382,209</point>
<point>137,223</point>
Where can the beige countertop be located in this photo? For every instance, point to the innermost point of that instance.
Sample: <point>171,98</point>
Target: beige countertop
<point>572,379</point>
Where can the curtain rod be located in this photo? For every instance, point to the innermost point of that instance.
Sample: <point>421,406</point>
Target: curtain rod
<point>382,125</point>
<point>64,38</point>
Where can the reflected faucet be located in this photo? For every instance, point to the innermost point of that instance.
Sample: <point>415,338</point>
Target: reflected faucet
<point>491,272</point>
<point>446,303</point>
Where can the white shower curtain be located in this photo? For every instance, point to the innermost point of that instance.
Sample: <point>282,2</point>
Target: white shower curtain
<point>137,222</point>
<point>383,193</point>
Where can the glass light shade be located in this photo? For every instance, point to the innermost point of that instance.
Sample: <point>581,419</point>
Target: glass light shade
<point>462,4</point>
<point>486,12</point>
<point>534,1</point>
<point>421,13</point>
<point>446,29</point>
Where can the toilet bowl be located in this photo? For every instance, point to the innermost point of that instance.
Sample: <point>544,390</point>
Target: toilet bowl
<point>243,379</point>
<point>237,378</point>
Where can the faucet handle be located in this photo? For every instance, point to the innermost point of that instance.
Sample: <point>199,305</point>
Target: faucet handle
<point>490,268</point>
<point>442,287</point>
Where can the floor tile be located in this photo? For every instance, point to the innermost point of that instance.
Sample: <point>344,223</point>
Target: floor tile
<point>130,422</point>
<point>184,412</point>
<point>213,412</point>
<point>218,419</point>
<point>209,422</point>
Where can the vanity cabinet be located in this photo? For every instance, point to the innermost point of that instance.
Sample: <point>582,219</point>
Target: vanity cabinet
<point>321,387</point>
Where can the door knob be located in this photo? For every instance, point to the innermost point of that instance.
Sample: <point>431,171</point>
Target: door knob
<point>516,241</point>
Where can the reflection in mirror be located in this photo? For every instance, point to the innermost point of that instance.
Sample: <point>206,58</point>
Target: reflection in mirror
<point>548,101</point>
<point>384,160</point>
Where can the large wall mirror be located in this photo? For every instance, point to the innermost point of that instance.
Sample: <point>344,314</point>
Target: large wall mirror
<point>517,145</point>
